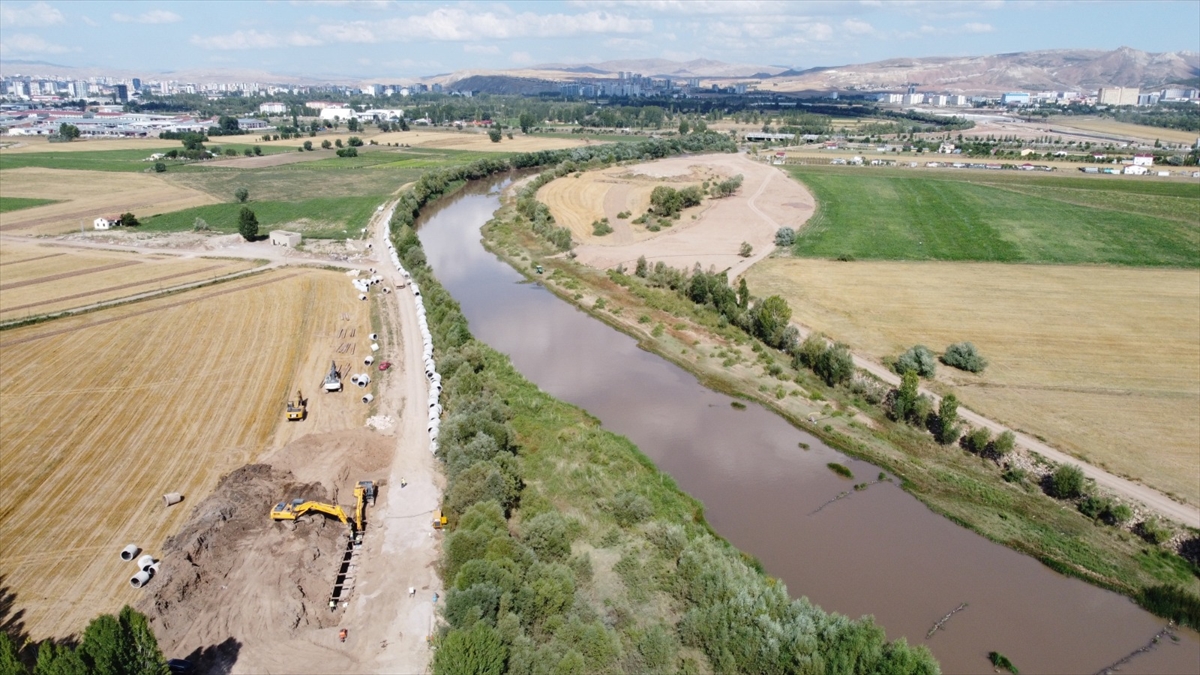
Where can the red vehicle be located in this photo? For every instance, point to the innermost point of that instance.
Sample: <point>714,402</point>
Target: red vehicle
<point>385,365</point>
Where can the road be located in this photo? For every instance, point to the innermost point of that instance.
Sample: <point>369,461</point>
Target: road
<point>1153,499</point>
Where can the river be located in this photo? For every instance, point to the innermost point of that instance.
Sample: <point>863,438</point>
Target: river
<point>879,552</point>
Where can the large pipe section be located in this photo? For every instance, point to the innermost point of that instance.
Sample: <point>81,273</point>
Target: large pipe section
<point>172,498</point>
<point>140,579</point>
<point>145,562</point>
<point>130,552</point>
<point>431,373</point>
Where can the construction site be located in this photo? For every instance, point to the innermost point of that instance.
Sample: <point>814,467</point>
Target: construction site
<point>255,454</point>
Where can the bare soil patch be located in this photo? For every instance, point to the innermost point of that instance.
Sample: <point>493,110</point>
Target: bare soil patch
<point>1103,363</point>
<point>710,234</point>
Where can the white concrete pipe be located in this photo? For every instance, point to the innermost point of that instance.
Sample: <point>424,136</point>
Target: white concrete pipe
<point>362,296</point>
<point>145,562</point>
<point>140,579</point>
<point>373,336</point>
<point>364,380</point>
<point>433,447</point>
<point>172,498</point>
<point>368,398</point>
<point>369,360</point>
<point>354,378</point>
<point>130,552</point>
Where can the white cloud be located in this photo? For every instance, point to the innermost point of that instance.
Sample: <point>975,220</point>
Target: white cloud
<point>154,16</point>
<point>23,43</point>
<point>975,27</point>
<point>481,49</point>
<point>37,14</point>
<point>858,27</point>
<point>452,24</point>
<point>252,39</point>
<point>522,58</point>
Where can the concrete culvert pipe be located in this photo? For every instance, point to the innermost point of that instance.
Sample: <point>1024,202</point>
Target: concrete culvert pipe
<point>140,579</point>
<point>145,562</point>
<point>362,297</point>
<point>373,336</point>
<point>172,498</point>
<point>130,552</point>
<point>368,398</point>
<point>364,380</point>
<point>369,360</point>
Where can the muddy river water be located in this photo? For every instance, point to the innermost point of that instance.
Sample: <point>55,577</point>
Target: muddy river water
<point>878,552</point>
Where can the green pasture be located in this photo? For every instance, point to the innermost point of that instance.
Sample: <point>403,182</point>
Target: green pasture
<point>17,203</point>
<point>321,218</point>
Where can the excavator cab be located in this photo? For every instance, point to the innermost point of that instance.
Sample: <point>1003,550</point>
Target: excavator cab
<point>297,410</point>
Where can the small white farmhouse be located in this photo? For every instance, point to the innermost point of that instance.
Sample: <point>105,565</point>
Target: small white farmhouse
<point>106,222</point>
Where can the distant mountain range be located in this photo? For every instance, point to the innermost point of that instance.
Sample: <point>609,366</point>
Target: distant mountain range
<point>1058,69</point>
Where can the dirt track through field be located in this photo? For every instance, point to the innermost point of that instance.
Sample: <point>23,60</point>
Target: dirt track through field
<point>42,336</point>
<point>40,257</point>
<point>67,275</point>
<point>99,291</point>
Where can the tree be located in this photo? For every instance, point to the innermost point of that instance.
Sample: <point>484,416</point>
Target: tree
<point>743,294</point>
<point>919,359</point>
<point>129,220</point>
<point>257,151</point>
<point>947,420</point>
<point>526,120</point>
<point>338,142</point>
<point>494,134</point>
<point>962,355</point>
<point>835,365</point>
<point>477,651</point>
<point>354,142</point>
<point>642,267</point>
<point>325,144</point>
<point>68,131</point>
<point>1004,443</point>
<point>9,663</point>
<point>228,125</point>
<point>247,224</point>
<point>978,440</point>
<point>1066,482</point>
<point>159,167</point>
<point>745,250</point>
<point>785,236</point>
<point>353,125</point>
<point>769,318</point>
<point>307,145</point>
<point>683,127</point>
<point>904,400</point>
<point>242,194</point>
<point>347,152</point>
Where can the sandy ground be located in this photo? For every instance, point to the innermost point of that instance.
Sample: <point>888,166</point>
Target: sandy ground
<point>766,201</point>
<point>88,195</point>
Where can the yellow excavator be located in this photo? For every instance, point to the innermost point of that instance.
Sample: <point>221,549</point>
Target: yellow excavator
<point>298,409</point>
<point>364,493</point>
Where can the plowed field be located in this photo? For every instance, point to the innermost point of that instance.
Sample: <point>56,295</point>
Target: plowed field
<point>36,279</point>
<point>102,414</point>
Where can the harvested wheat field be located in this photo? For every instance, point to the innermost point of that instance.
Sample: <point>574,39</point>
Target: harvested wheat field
<point>1101,362</point>
<point>709,234</point>
<point>38,279</point>
<point>42,144</point>
<point>444,139</point>
<point>104,413</point>
<point>1126,130</point>
<point>89,194</point>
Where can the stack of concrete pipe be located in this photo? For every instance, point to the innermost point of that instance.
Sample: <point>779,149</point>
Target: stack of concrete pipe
<point>431,373</point>
<point>147,565</point>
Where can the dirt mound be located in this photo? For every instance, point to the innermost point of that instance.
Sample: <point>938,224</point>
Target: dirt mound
<point>233,575</point>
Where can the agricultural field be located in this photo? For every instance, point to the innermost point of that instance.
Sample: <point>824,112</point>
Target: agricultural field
<point>1111,127</point>
<point>81,196</point>
<point>36,279</point>
<point>18,203</point>
<point>883,214</point>
<point>324,218</point>
<point>1102,362</point>
<point>106,412</point>
<point>443,139</point>
<point>709,234</point>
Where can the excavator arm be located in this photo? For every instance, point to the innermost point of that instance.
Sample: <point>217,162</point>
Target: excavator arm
<point>296,508</point>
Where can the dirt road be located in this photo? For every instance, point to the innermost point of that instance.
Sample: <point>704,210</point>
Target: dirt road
<point>1153,499</point>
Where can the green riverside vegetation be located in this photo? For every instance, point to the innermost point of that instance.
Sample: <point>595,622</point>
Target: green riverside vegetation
<point>121,644</point>
<point>890,214</point>
<point>569,551</point>
<point>907,435</point>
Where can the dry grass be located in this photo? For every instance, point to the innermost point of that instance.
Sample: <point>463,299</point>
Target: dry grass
<point>1125,130</point>
<point>41,144</point>
<point>38,279</point>
<point>89,194</point>
<point>1102,362</point>
<point>104,413</point>
<point>443,139</point>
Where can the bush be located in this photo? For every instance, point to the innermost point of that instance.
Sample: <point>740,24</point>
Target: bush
<point>242,194</point>
<point>977,441</point>
<point>1172,603</point>
<point>1153,531</point>
<point>601,227</point>
<point>325,144</point>
<point>159,167</point>
<point>962,355</point>
<point>1094,507</point>
<point>1118,514</point>
<point>478,651</point>
<point>347,152</point>
<point>630,508</point>
<point>129,220</point>
<point>1004,443</point>
<point>918,359</point>
<point>1066,482</point>
<point>785,236</point>
<point>835,365</point>
<point>546,534</point>
<point>745,250</point>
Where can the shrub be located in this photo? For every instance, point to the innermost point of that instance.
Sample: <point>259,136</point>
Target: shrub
<point>946,427</point>
<point>840,469</point>
<point>962,355</point>
<point>1066,482</point>
<point>241,194</point>
<point>159,167</point>
<point>347,152</point>
<point>918,359</point>
<point>1094,507</point>
<point>601,227</point>
<point>1153,531</point>
<point>785,236</point>
<point>129,220</point>
<point>1172,603</point>
<point>546,534</point>
<point>977,441</point>
<point>1118,514</point>
<point>1004,443</point>
<point>478,651</point>
<point>745,250</point>
<point>630,508</point>
<point>835,365</point>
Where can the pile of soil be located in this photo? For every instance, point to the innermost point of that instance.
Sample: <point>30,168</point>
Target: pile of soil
<point>232,574</point>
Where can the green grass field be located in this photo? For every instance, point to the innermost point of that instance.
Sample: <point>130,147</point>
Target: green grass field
<point>16,203</point>
<point>109,160</point>
<point>905,215</point>
<point>322,218</point>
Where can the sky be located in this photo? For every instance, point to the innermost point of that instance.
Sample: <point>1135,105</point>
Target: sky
<point>386,39</point>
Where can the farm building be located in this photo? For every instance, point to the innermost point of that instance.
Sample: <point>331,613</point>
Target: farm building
<point>106,222</point>
<point>1135,170</point>
<point>285,238</point>
<point>1143,160</point>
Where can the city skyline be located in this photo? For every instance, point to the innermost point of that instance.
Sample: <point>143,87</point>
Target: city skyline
<point>335,38</point>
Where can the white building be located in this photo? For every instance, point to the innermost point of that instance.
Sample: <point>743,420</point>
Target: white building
<point>1143,160</point>
<point>272,108</point>
<point>285,238</point>
<point>340,113</point>
<point>106,222</point>
<point>1135,170</point>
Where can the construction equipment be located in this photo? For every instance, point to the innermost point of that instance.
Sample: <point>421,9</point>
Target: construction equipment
<point>439,521</point>
<point>298,507</point>
<point>333,381</point>
<point>363,492</point>
<point>297,410</point>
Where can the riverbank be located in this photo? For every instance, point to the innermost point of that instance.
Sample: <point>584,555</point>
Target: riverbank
<point>961,486</point>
